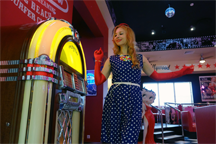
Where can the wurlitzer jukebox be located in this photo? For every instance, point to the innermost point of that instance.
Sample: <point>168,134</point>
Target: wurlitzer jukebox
<point>43,83</point>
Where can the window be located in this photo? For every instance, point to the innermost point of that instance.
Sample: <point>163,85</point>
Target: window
<point>177,92</point>
<point>166,92</point>
<point>183,92</point>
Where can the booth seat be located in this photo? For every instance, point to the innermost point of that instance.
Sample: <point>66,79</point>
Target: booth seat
<point>188,119</point>
<point>206,124</point>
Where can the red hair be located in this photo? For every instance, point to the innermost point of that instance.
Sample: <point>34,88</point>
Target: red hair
<point>130,42</point>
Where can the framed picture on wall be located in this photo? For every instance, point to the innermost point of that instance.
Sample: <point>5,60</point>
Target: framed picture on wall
<point>208,88</point>
<point>91,87</point>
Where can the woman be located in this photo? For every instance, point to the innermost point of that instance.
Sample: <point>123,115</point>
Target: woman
<point>122,112</point>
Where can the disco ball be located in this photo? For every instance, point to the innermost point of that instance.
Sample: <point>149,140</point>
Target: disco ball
<point>169,12</point>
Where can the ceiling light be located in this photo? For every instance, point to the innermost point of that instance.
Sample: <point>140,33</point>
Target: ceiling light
<point>153,32</point>
<point>192,4</point>
<point>192,28</point>
<point>202,60</point>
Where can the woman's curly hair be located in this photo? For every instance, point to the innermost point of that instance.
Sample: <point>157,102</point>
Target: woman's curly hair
<point>130,42</point>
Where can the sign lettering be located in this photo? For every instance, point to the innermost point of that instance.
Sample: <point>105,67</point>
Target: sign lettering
<point>31,9</point>
<point>162,67</point>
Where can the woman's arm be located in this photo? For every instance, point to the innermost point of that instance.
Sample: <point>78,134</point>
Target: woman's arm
<point>101,77</point>
<point>106,68</point>
<point>147,68</point>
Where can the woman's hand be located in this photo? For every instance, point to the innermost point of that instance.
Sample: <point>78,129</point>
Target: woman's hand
<point>98,54</point>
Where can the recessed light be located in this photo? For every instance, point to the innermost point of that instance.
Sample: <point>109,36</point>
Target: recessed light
<point>152,32</point>
<point>192,4</point>
<point>192,28</point>
<point>202,60</point>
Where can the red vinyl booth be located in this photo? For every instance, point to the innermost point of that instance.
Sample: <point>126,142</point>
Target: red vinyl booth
<point>188,119</point>
<point>206,124</point>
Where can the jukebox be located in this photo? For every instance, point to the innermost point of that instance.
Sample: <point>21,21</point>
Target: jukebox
<point>43,83</point>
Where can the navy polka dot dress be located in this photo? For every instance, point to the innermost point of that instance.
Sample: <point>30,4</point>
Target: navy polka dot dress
<point>121,119</point>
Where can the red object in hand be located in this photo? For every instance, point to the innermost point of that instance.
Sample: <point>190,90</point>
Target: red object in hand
<point>166,76</point>
<point>99,77</point>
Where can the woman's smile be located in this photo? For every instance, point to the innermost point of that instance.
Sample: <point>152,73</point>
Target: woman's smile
<point>118,40</point>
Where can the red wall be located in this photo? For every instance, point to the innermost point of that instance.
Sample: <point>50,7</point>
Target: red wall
<point>93,110</point>
<point>90,13</point>
<point>15,12</point>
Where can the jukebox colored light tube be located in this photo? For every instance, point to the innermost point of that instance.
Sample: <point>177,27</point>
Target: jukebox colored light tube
<point>84,61</point>
<point>60,34</point>
<point>35,37</point>
<point>38,46</point>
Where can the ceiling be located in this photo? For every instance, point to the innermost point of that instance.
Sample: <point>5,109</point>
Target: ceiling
<point>145,16</point>
<point>180,55</point>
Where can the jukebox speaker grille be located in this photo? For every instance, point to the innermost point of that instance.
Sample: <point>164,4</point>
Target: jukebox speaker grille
<point>78,83</point>
<point>68,79</point>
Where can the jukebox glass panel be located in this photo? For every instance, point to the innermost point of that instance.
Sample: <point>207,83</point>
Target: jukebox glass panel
<point>71,56</point>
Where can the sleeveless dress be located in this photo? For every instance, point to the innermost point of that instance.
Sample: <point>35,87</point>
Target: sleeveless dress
<point>151,123</point>
<point>122,112</point>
